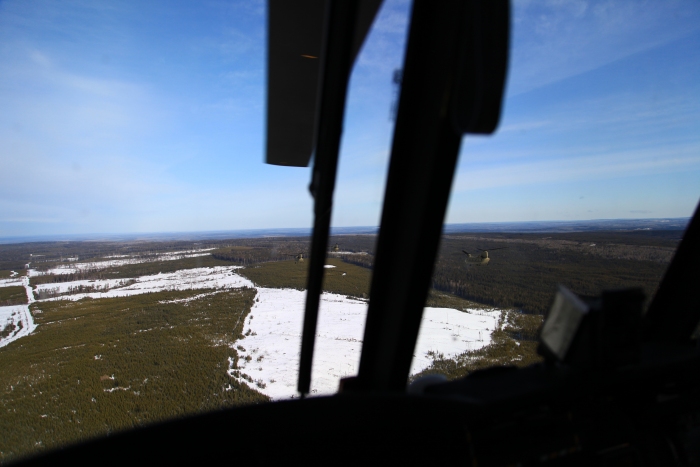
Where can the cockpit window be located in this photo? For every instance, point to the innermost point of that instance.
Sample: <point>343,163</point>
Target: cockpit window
<point>152,267</point>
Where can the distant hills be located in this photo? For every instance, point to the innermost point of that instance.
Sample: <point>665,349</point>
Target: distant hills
<point>572,226</point>
<point>481,227</point>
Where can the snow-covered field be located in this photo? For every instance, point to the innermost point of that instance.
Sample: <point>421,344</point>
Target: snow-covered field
<point>275,324</point>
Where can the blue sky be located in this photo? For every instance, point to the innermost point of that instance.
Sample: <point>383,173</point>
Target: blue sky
<point>149,117</point>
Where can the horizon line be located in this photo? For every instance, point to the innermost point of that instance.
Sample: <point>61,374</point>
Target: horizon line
<point>301,231</point>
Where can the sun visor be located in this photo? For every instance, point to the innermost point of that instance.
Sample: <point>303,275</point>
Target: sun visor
<point>296,32</point>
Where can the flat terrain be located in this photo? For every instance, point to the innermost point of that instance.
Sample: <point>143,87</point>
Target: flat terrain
<point>97,366</point>
<point>98,346</point>
<point>98,337</point>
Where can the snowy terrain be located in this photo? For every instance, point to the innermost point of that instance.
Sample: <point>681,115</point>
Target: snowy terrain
<point>275,324</point>
<point>269,354</point>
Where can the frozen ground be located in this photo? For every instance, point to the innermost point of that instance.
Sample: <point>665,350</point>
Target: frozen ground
<point>275,322</point>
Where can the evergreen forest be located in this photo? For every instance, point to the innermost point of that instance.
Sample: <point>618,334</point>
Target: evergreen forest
<point>95,367</point>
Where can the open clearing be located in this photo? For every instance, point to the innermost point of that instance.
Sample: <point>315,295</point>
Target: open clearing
<point>270,350</point>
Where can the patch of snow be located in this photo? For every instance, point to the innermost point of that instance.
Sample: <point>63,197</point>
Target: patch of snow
<point>118,388</point>
<point>28,289</point>
<point>328,266</point>
<point>64,287</point>
<point>189,299</point>
<point>274,340</point>
<point>21,318</point>
<point>13,281</point>
<point>186,252</point>
<point>451,332</point>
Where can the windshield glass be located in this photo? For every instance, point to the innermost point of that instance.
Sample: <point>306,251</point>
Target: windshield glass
<point>152,267</point>
<point>588,183</point>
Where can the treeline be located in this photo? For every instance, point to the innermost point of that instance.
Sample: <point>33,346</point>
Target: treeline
<point>622,247</point>
<point>344,279</point>
<point>366,261</point>
<point>51,254</point>
<point>53,292</point>
<point>254,251</point>
<point>82,275</point>
<point>525,276</point>
<point>247,255</point>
